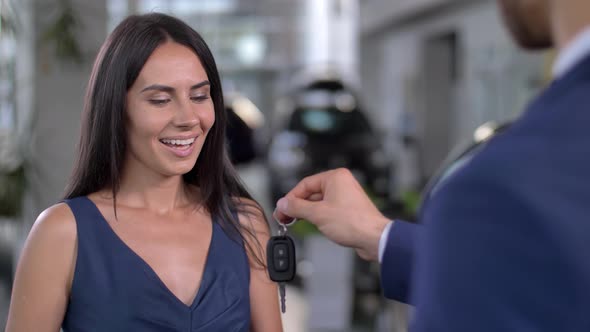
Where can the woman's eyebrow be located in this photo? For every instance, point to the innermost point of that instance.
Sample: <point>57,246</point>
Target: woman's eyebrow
<point>198,85</point>
<point>169,89</point>
<point>158,87</point>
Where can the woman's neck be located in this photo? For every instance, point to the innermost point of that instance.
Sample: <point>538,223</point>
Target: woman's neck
<point>155,192</point>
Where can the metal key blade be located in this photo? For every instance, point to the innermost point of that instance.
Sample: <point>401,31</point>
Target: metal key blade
<point>282,295</point>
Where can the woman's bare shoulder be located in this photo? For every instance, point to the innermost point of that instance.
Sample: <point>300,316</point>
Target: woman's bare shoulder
<point>45,272</point>
<point>53,238</point>
<point>55,225</point>
<point>58,216</point>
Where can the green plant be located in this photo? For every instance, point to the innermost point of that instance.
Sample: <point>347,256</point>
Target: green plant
<point>12,187</point>
<point>62,33</point>
<point>12,170</point>
<point>411,200</point>
<point>12,174</point>
<point>303,228</point>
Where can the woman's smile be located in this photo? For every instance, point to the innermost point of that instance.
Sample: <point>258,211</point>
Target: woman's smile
<point>179,147</point>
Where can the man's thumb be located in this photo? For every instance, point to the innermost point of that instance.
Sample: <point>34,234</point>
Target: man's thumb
<point>295,207</point>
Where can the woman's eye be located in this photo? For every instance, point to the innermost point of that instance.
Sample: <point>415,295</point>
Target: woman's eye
<point>159,101</point>
<point>200,98</point>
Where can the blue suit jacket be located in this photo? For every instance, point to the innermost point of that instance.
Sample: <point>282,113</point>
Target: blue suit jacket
<point>504,243</point>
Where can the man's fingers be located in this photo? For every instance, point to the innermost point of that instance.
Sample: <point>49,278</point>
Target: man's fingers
<point>316,197</point>
<point>281,216</point>
<point>290,207</point>
<point>309,186</point>
<point>299,202</point>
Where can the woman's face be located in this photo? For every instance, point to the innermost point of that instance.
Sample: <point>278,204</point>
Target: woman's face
<point>169,112</point>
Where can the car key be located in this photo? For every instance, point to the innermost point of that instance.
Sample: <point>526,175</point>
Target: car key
<point>280,258</point>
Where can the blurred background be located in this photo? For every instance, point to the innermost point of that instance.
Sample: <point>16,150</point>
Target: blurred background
<point>392,89</point>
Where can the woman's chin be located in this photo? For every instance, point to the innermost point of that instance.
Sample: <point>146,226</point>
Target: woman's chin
<point>178,170</point>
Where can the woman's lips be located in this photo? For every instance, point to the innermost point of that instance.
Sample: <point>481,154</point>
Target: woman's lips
<point>180,148</point>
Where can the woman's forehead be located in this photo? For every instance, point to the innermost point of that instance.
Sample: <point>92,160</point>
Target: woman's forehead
<point>171,62</point>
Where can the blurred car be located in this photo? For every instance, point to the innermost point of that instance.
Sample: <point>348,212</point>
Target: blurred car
<point>243,120</point>
<point>323,126</point>
<point>326,129</point>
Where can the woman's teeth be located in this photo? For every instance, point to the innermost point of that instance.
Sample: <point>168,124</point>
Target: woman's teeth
<point>178,142</point>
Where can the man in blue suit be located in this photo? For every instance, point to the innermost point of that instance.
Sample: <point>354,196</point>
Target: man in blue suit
<point>503,243</point>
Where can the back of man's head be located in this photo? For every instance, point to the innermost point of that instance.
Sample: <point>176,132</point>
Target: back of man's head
<point>540,24</point>
<point>529,21</point>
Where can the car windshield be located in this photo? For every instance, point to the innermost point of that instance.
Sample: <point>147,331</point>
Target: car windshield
<point>328,121</point>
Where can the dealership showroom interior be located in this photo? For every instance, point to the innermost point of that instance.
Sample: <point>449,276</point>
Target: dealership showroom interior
<point>404,99</point>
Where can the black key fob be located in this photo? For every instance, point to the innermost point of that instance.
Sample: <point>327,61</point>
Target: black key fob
<point>280,258</point>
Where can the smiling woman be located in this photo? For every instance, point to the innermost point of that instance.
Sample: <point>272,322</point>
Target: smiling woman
<point>169,111</point>
<point>155,231</point>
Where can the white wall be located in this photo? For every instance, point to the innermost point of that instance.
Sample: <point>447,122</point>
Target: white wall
<point>496,78</point>
<point>330,36</point>
<point>375,14</point>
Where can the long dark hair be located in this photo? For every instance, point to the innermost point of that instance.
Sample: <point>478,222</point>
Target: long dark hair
<point>103,139</point>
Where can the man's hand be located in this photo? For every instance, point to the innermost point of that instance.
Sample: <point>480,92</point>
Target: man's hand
<point>337,204</point>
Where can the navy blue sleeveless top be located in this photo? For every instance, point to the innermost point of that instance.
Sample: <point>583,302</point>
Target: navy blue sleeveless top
<point>116,290</point>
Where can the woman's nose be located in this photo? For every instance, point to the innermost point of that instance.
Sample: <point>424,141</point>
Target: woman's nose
<point>186,116</point>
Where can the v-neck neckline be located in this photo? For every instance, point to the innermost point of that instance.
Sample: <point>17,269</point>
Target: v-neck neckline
<point>150,270</point>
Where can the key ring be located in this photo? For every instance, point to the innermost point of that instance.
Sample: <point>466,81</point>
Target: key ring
<point>283,226</point>
<point>282,229</point>
<point>290,222</point>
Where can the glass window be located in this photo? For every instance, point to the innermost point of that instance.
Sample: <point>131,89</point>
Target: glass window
<point>329,121</point>
<point>7,66</point>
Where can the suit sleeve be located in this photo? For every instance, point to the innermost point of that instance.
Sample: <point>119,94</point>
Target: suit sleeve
<point>488,262</point>
<point>396,264</point>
